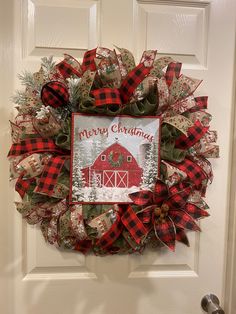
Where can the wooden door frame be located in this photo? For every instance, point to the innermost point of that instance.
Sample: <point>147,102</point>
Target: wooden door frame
<point>230,264</point>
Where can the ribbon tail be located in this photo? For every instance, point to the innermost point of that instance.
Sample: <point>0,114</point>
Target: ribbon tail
<point>33,145</point>
<point>148,58</point>
<point>183,220</point>
<point>83,246</point>
<point>88,60</point>
<point>173,70</point>
<point>134,225</point>
<point>181,236</point>
<point>200,103</point>
<point>166,233</point>
<point>142,197</point>
<point>193,171</point>
<point>178,197</point>
<point>107,97</point>
<point>22,185</point>
<point>50,175</point>
<point>69,66</point>
<point>111,235</point>
<point>196,212</point>
<point>132,80</point>
<point>195,133</point>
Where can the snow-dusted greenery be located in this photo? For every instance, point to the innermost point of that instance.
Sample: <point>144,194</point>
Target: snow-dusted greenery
<point>73,86</point>
<point>27,79</point>
<point>48,64</point>
<point>19,98</point>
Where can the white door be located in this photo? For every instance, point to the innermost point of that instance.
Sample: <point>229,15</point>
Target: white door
<point>39,279</point>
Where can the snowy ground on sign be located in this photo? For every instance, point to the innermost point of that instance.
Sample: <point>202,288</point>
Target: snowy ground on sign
<point>104,194</point>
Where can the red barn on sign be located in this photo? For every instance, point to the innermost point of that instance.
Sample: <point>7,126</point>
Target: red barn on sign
<point>114,167</point>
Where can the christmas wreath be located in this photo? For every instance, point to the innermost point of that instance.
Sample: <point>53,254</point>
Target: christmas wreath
<point>109,83</point>
<point>115,159</point>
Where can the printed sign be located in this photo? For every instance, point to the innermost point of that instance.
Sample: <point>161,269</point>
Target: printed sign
<point>113,157</point>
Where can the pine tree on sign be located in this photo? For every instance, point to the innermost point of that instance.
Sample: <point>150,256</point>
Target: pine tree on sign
<point>150,167</point>
<point>77,176</point>
<point>94,185</point>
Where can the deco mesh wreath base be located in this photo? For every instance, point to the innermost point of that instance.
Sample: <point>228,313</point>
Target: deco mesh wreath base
<point>110,83</point>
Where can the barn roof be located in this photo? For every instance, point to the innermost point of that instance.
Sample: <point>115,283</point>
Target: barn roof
<point>115,147</point>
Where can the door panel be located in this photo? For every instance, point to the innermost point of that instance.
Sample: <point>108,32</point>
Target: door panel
<point>73,27</point>
<point>200,34</point>
<point>179,29</point>
<point>122,179</point>
<point>109,178</point>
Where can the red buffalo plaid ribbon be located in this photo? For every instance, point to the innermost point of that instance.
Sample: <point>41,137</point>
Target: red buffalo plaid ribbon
<point>195,211</point>
<point>23,185</point>
<point>34,145</point>
<point>51,170</point>
<point>134,225</point>
<point>178,214</point>
<point>182,220</point>
<point>105,96</point>
<point>88,60</point>
<point>166,232</point>
<point>132,80</point>
<point>146,197</point>
<point>142,197</point>
<point>178,196</point>
<point>69,66</point>
<point>173,70</point>
<point>83,246</point>
<point>112,234</point>
<point>193,171</point>
<point>175,198</point>
<point>181,236</point>
<point>114,96</point>
<point>195,133</point>
<point>50,175</point>
<point>201,103</point>
<point>126,218</point>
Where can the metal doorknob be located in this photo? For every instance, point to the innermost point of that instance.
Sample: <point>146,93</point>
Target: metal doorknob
<point>211,304</point>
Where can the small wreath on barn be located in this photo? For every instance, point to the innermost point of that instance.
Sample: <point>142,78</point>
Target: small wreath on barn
<point>109,83</point>
<point>115,159</point>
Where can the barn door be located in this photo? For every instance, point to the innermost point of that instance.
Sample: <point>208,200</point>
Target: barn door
<point>115,178</point>
<point>122,179</point>
<point>109,178</point>
<point>37,277</point>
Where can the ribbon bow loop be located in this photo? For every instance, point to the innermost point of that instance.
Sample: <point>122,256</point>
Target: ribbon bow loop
<point>51,169</point>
